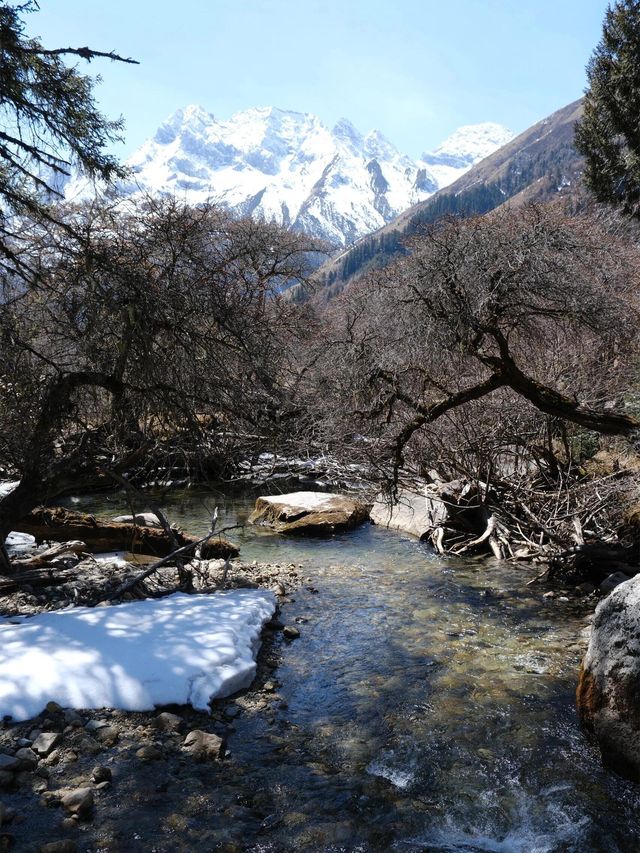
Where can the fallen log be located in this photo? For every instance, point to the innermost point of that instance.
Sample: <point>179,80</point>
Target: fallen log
<point>101,534</point>
<point>44,558</point>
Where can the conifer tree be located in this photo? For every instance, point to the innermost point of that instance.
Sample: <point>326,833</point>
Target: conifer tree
<point>609,134</point>
<point>49,125</point>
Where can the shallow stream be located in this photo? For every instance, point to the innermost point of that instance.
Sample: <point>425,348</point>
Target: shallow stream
<point>427,706</point>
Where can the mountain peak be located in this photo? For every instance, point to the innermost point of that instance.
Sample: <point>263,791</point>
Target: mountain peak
<point>378,146</point>
<point>192,116</point>
<point>469,144</point>
<point>345,131</point>
<point>288,167</point>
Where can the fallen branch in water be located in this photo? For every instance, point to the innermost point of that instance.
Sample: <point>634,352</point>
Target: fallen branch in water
<point>129,584</point>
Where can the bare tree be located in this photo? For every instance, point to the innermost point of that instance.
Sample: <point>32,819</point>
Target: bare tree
<point>493,352</point>
<point>160,320</point>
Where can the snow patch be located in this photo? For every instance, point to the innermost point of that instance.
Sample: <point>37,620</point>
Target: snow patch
<point>303,500</point>
<point>183,649</point>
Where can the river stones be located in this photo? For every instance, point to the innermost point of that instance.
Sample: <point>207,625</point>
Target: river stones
<point>608,694</point>
<point>64,846</point>
<point>100,774</point>
<point>203,746</point>
<point>311,513</point>
<point>78,802</point>
<point>45,742</point>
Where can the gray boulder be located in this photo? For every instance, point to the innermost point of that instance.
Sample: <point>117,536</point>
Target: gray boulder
<point>608,695</point>
<point>144,519</point>
<point>414,513</point>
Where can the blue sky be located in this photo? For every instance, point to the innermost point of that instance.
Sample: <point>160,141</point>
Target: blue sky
<point>414,70</point>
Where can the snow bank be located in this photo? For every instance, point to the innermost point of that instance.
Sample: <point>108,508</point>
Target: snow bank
<point>135,656</point>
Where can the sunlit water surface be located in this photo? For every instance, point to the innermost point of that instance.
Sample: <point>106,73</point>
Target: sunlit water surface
<point>428,705</point>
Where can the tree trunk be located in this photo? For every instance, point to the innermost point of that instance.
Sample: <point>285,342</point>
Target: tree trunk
<point>57,523</point>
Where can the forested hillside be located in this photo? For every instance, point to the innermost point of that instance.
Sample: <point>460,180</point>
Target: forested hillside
<point>539,165</point>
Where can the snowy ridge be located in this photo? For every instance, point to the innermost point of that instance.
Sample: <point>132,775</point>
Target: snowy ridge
<point>288,167</point>
<point>463,149</point>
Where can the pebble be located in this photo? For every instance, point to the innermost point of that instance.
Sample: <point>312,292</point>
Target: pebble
<point>45,742</point>
<point>64,846</point>
<point>28,758</point>
<point>168,722</point>
<point>100,774</point>
<point>90,745</point>
<point>150,752</point>
<point>203,746</point>
<point>9,762</point>
<point>93,725</point>
<point>107,735</point>
<point>78,802</point>
<point>290,632</point>
<point>232,712</point>
<point>72,717</point>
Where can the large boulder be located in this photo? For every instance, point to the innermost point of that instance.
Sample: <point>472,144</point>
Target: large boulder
<point>312,513</point>
<point>608,693</point>
<point>414,513</point>
<point>144,519</point>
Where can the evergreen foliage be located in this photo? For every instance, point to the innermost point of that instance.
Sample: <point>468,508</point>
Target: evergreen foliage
<point>609,134</point>
<point>49,123</point>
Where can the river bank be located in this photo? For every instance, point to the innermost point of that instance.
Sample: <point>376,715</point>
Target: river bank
<point>427,705</point>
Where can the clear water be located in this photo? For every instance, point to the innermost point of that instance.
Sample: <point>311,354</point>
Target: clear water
<point>429,705</point>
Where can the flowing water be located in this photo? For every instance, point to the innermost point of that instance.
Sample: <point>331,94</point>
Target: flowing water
<point>427,706</point>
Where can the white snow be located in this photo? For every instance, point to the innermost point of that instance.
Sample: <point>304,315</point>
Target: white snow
<point>463,149</point>
<point>184,649</point>
<point>16,543</point>
<point>473,142</point>
<point>288,167</point>
<point>7,486</point>
<point>19,543</point>
<point>303,500</point>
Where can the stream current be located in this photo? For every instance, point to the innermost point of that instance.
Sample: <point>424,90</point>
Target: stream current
<point>427,706</point>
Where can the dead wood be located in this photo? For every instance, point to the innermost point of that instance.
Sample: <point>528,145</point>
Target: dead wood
<point>100,534</point>
<point>44,558</point>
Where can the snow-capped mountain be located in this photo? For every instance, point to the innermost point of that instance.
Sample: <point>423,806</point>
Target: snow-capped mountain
<point>463,149</point>
<point>288,167</point>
